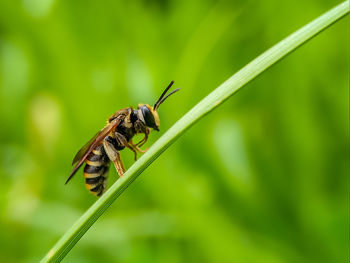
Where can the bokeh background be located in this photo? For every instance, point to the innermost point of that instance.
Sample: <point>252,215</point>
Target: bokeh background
<point>263,178</point>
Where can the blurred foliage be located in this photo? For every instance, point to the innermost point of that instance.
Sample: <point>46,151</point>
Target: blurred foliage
<point>264,178</point>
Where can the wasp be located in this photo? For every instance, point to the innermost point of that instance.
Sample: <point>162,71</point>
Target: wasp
<point>106,145</point>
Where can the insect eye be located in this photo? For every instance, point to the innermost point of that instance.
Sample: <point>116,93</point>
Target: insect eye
<point>148,116</point>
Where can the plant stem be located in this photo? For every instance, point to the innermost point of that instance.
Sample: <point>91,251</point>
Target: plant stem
<point>214,99</point>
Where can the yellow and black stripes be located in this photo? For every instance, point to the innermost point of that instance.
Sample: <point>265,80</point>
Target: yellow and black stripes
<point>96,171</point>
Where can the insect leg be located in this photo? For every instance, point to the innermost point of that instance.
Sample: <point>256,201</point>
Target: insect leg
<point>136,147</point>
<point>122,140</point>
<point>144,140</point>
<point>140,150</point>
<point>114,155</point>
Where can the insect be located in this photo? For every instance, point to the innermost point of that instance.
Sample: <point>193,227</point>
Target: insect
<point>106,145</point>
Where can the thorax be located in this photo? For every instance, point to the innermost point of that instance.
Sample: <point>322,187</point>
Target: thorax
<point>126,127</point>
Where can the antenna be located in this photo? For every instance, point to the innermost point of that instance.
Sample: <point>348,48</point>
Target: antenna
<point>162,98</point>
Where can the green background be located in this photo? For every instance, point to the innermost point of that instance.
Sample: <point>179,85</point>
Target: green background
<point>263,178</point>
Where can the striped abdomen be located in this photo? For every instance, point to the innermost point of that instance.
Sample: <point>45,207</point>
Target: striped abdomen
<point>96,171</point>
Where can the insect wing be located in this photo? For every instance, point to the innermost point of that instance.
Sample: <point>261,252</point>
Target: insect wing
<point>87,148</point>
<point>83,149</point>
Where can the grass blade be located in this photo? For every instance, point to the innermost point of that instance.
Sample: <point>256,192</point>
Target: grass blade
<point>223,92</point>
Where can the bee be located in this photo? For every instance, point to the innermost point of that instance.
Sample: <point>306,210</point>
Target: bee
<point>106,145</point>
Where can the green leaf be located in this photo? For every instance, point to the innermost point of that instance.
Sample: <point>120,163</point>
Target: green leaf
<point>210,102</point>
